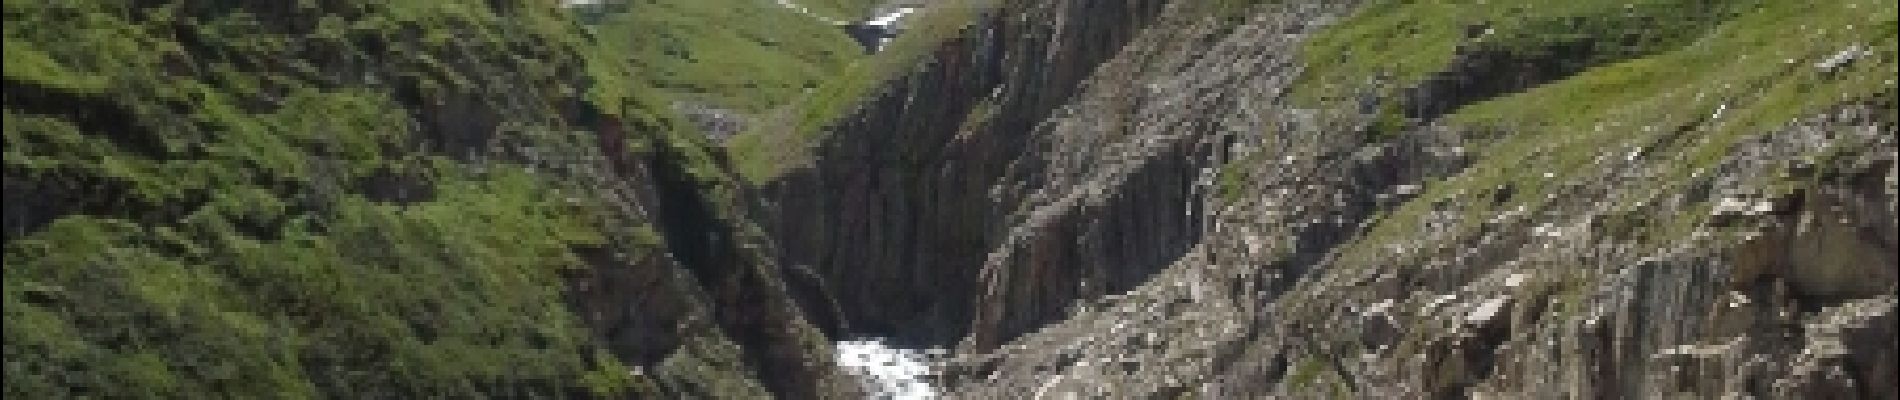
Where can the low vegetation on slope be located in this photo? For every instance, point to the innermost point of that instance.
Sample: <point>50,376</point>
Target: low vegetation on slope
<point>843,10</point>
<point>750,55</point>
<point>1675,78</point>
<point>1489,199</point>
<point>305,199</point>
<point>1590,71</point>
<point>766,151</point>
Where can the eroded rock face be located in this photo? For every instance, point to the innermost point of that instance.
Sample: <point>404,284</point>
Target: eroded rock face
<point>911,190</point>
<point>1061,219</point>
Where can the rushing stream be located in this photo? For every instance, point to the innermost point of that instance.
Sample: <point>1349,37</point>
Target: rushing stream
<point>889,372</point>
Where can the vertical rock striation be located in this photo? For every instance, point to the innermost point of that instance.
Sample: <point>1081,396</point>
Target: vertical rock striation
<point>898,214</point>
<point>1165,209</point>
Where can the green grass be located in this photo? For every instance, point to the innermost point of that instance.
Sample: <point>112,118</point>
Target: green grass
<point>764,153</point>
<point>1404,42</point>
<point>211,235</point>
<point>749,55</point>
<point>1756,61</point>
<point>838,96</point>
<point>843,10</point>
<point>768,67</point>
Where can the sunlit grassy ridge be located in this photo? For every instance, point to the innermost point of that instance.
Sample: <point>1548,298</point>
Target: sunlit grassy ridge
<point>843,10</point>
<point>1681,81</point>
<point>304,199</point>
<point>767,151</point>
<point>1403,42</point>
<point>750,55</point>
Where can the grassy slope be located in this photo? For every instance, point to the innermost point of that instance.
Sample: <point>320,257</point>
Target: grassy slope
<point>764,153</point>
<point>1664,67</point>
<point>205,162</point>
<point>780,66</point>
<point>840,9</point>
<point>750,55</point>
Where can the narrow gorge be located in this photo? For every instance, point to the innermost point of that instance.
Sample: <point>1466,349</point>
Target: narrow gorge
<point>969,199</point>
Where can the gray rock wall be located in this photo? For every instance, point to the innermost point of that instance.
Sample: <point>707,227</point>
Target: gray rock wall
<point>1048,192</point>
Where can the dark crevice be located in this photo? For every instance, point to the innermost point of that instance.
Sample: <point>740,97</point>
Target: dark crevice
<point>879,201</point>
<point>747,307</point>
<point>397,187</point>
<point>87,112</point>
<point>1482,74</point>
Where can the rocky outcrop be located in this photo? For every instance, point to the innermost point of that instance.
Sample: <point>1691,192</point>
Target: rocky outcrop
<point>1176,223</point>
<point>905,202</point>
<point>693,301</point>
<point>1100,198</point>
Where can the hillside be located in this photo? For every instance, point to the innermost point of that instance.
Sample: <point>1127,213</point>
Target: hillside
<point>1379,199</point>
<point>1013,199</point>
<point>349,199</point>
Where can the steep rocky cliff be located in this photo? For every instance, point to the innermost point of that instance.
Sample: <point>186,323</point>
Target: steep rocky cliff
<point>1380,199</point>
<point>903,199</point>
<point>1113,198</point>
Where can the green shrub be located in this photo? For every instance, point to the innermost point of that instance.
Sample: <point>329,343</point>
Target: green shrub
<point>202,170</point>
